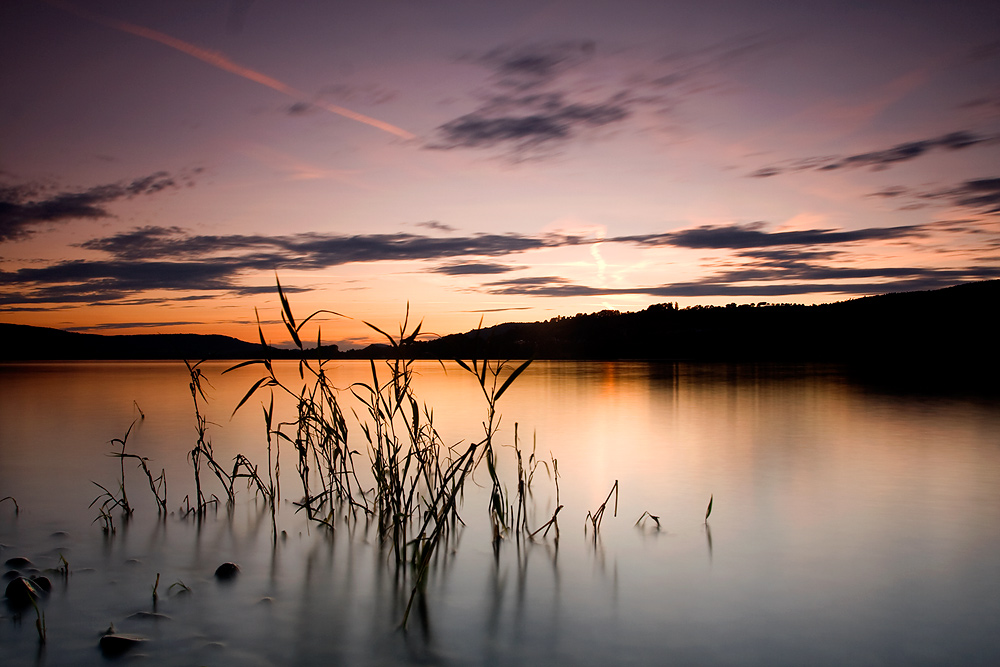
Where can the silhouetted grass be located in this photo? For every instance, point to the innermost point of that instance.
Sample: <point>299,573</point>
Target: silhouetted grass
<point>418,480</point>
<point>203,448</point>
<point>17,508</point>
<point>597,515</point>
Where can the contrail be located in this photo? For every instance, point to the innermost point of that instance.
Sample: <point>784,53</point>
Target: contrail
<point>217,59</point>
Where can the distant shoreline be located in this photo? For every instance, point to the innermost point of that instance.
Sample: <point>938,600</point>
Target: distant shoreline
<point>939,333</point>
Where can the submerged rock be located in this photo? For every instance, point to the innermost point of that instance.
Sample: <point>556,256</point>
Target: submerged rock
<point>227,571</point>
<point>148,616</point>
<point>113,644</point>
<point>21,592</point>
<point>42,582</point>
<point>17,562</point>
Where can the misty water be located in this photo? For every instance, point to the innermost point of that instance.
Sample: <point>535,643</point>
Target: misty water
<point>850,525</point>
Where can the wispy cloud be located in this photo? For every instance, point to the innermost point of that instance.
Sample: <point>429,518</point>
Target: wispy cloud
<point>24,207</point>
<point>542,95</point>
<point>473,268</point>
<point>132,325</point>
<point>528,121</point>
<point>222,62</point>
<point>529,66</point>
<point>736,284</point>
<point>305,251</point>
<point>155,259</point>
<point>878,159</point>
<point>981,195</point>
<point>529,105</point>
<point>498,310</point>
<point>436,226</point>
<point>754,235</point>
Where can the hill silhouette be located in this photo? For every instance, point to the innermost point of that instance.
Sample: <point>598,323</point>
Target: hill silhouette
<point>954,321</point>
<point>923,334</point>
<point>24,343</point>
<point>929,340</point>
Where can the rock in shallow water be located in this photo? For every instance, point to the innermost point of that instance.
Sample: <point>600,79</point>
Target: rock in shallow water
<point>42,582</point>
<point>148,616</point>
<point>21,592</point>
<point>117,643</point>
<point>17,562</point>
<point>227,571</point>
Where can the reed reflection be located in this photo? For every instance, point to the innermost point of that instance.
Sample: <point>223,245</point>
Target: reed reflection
<point>830,493</point>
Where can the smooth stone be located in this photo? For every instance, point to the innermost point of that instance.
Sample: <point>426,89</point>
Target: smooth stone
<point>11,574</point>
<point>22,592</point>
<point>117,644</point>
<point>42,582</point>
<point>148,616</point>
<point>227,571</point>
<point>17,562</point>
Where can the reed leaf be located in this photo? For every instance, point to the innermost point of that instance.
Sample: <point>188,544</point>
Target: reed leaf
<point>510,379</point>
<point>264,381</point>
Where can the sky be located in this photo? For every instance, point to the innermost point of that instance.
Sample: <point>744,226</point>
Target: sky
<point>163,163</point>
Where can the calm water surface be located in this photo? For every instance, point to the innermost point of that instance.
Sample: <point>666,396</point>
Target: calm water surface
<point>848,526</point>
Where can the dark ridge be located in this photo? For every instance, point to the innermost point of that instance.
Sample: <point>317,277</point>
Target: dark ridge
<point>914,339</point>
<point>910,336</point>
<point>24,343</point>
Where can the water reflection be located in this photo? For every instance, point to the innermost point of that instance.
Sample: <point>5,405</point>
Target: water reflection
<point>851,524</point>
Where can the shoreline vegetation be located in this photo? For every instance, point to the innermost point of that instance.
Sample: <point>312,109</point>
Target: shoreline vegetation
<point>412,506</point>
<point>931,336</point>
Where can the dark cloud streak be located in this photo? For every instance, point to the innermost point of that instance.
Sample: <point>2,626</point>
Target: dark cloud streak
<point>535,124</point>
<point>981,194</point>
<point>156,259</point>
<point>473,268</point>
<point>753,236</point>
<point>730,284</point>
<point>20,211</point>
<point>878,159</point>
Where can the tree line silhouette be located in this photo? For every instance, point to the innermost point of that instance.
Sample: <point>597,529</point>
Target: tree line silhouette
<point>949,331</point>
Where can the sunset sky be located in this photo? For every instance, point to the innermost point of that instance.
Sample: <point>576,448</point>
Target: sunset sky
<point>160,162</point>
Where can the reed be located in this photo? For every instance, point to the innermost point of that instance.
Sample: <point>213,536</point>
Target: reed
<point>157,485</point>
<point>39,621</point>
<point>553,522</point>
<point>418,481</point>
<point>487,374</point>
<point>182,588</point>
<point>203,450</point>
<point>597,515</point>
<point>17,508</point>
<point>323,461</point>
<point>109,500</point>
<point>105,517</point>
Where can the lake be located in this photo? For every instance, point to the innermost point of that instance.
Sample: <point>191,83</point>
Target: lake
<point>849,524</point>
